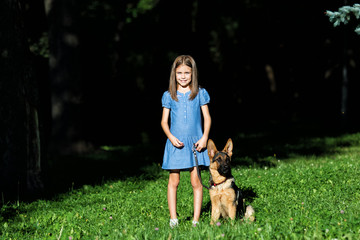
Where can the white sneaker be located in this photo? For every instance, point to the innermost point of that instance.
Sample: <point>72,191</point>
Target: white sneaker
<point>174,223</point>
<point>195,223</point>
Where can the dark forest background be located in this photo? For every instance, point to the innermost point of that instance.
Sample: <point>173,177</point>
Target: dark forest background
<point>78,75</point>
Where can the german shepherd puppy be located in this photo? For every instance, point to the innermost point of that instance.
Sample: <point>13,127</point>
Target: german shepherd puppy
<point>225,196</point>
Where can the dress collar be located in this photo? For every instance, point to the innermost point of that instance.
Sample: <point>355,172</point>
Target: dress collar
<point>185,93</point>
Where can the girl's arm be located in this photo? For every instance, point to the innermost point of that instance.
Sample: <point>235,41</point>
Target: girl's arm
<point>165,126</point>
<point>201,144</point>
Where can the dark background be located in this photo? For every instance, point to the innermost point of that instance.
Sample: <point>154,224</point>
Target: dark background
<point>86,74</point>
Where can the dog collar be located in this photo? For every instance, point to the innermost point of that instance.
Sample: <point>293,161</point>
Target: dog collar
<point>216,184</point>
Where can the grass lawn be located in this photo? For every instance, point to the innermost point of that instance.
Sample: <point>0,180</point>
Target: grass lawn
<point>300,189</point>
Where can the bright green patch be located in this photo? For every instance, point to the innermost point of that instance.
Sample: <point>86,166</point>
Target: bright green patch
<point>298,196</point>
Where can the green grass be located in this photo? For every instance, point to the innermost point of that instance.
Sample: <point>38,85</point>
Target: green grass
<point>296,195</point>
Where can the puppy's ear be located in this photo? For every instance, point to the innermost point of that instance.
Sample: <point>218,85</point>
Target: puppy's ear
<point>211,148</point>
<point>228,147</point>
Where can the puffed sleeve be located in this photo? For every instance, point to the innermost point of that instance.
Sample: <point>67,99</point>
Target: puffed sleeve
<point>204,97</point>
<point>166,100</point>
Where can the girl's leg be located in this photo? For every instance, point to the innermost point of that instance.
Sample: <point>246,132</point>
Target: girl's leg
<point>174,179</point>
<point>198,193</point>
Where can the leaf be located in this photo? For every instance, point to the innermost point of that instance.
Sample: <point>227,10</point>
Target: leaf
<point>357,30</point>
<point>329,13</point>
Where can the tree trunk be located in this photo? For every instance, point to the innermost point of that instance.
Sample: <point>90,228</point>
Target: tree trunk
<point>20,157</point>
<point>65,77</point>
<point>345,80</point>
<point>33,150</point>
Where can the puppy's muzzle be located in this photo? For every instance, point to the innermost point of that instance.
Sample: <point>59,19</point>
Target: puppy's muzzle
<point>224,169</point>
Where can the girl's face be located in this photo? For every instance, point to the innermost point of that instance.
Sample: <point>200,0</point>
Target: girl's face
<point>183,76</point>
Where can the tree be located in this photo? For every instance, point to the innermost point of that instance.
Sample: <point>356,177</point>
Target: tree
<point>20,149</point>
<point>344,15</point>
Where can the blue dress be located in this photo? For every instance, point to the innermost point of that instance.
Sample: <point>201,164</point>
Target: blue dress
<point>185,124</point>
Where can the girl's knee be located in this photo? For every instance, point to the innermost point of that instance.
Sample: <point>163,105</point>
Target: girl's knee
<point>174,179</point>
<point>173,183</point>
<point>196,184</point>
<point>195,180</point>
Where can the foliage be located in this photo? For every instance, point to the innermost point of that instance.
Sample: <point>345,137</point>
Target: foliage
<point>299,197</point>
<point>41,47</point>
<point>141,7</point>
<point>344,14</point>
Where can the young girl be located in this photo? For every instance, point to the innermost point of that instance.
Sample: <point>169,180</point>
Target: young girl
<point>184,102</point>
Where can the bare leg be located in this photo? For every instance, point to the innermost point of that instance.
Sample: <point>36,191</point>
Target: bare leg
<point>174,179</point>
<point>198,193</point>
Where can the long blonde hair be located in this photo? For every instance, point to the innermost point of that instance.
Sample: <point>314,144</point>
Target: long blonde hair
<point>194,85</point>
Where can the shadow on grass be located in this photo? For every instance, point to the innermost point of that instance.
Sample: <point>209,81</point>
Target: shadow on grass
<point>260,148</point>
<point>252,148</point>
<point>108,163</point>
<point>264,147</point>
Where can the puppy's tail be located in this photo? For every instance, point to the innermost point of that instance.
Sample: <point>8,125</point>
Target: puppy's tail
<point>249,215</point>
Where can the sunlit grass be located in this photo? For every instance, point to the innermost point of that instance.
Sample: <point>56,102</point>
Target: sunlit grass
<point>309,196</point>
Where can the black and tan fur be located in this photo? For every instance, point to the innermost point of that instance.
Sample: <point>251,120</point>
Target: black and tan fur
<point>225,196</point>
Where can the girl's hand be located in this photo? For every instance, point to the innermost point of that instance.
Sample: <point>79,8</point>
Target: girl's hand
<point>201,144</point>
<point>176,142</point>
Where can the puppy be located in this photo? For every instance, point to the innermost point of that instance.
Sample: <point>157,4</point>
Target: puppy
<point>225,196</point>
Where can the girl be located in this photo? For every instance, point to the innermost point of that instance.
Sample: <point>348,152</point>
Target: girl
<point>184,102</point>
